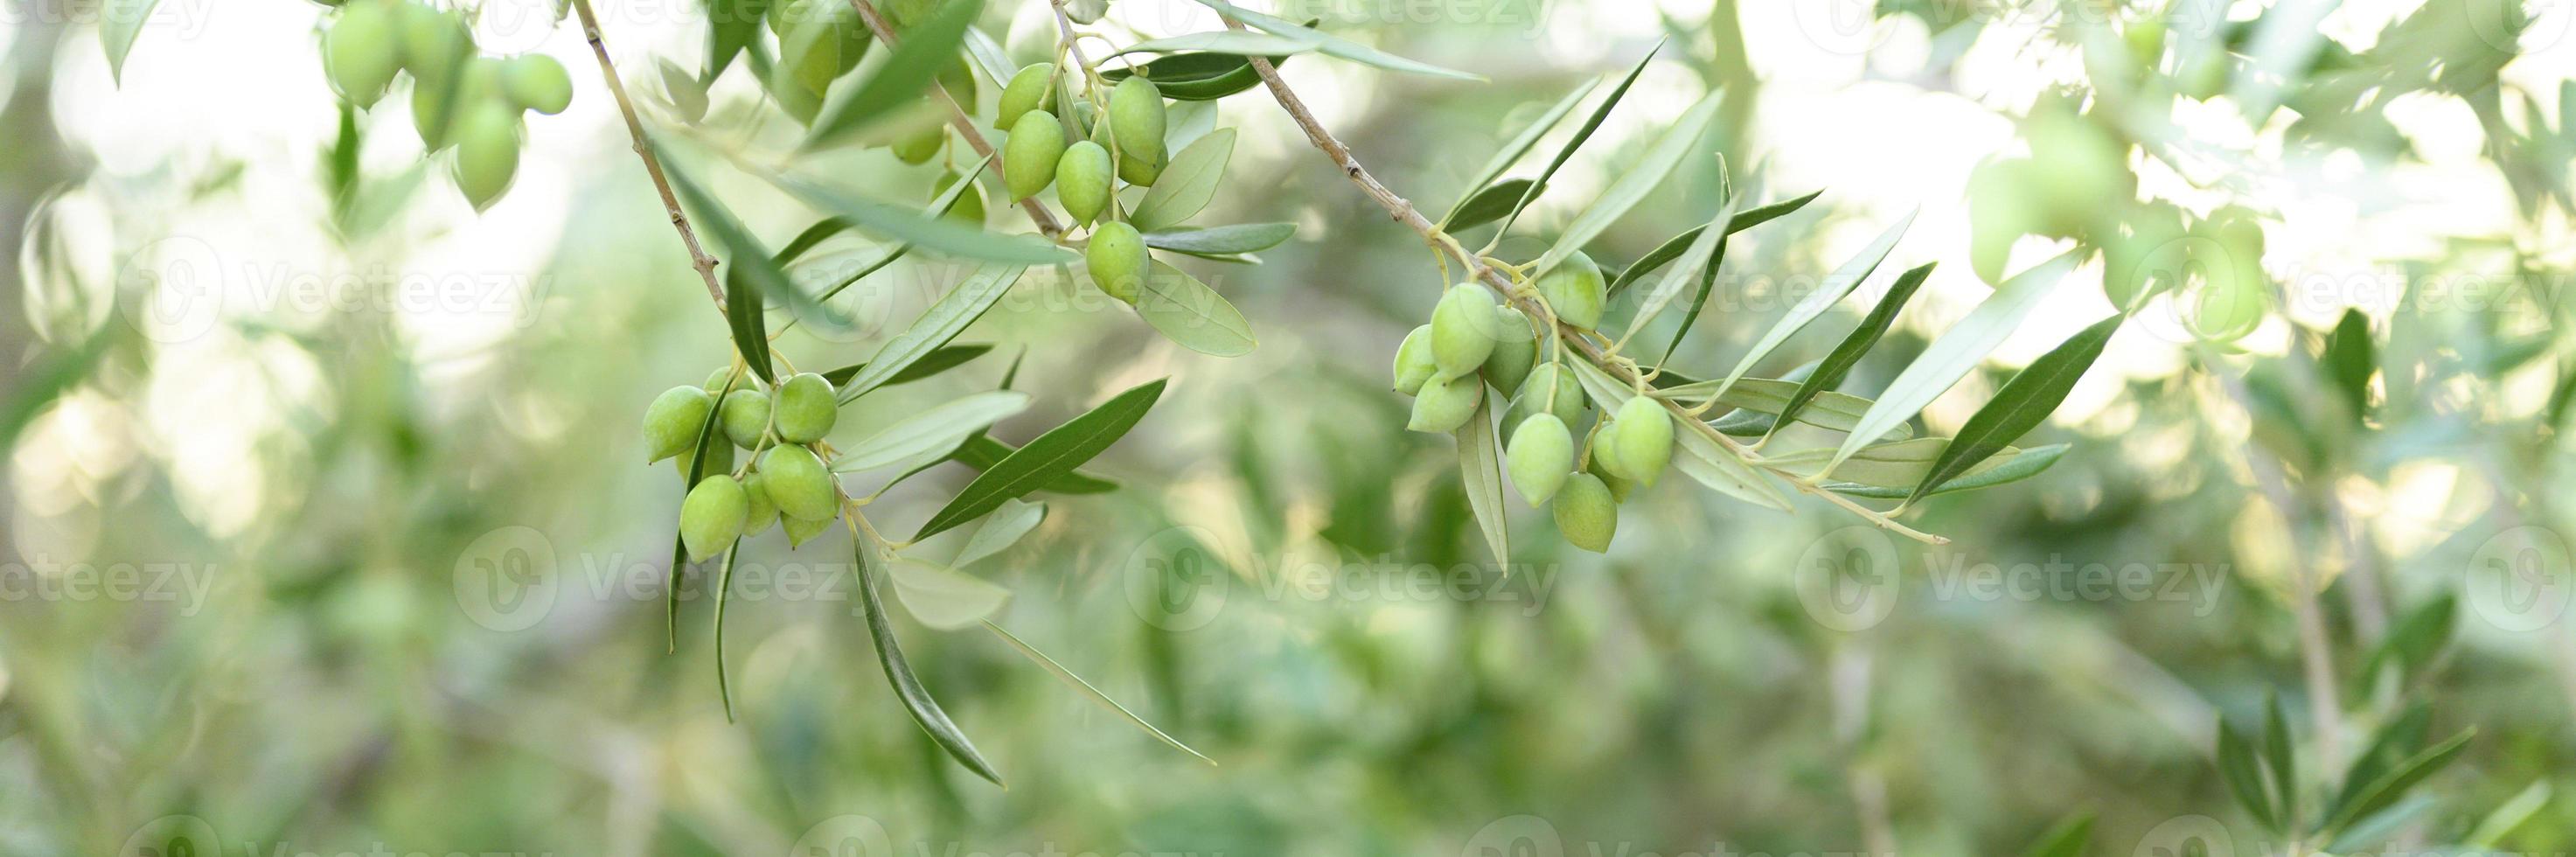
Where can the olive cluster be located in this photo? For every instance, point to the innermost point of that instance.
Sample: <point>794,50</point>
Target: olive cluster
<point>1127,144</point>
<point>459,97</point>
<point>1473,342</point>
<point>786,483</point>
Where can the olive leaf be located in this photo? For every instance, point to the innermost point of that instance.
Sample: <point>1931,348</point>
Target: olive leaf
<point>2066,839</point>
<point>1333,45</point>
<point>687,96</point>
<point>907,72</point>
<point>1767,397</point>
<point>680,545</point>
<point>1237,42</point>
<point>932,434</point>
<point>748,275</point>
<point>724,584</point>
<point>1847,354</point>
<point>1000,531</point>
<point>2386,788</point>
<point>1702,255</point>
<point>1055,453</point>
<point>2400,737</point>
<point>2277,757</point>
<point>1581,134</point>
<point>732,25</point>
<point>1187,184</point>
<point>1094,693</point>
<point>1828,292</point>
<point>983,452</point>
<point>829,226</point>
<point>2350,360</point>
<point>1236,238</point>
<point>944,598</point>
<point>2515,810</point>
<point>2362,835</point>
<point>1998,470</point>
<point>1951,357</point>
<point>927,232</point>
<point>945,358</point>
<point>1636,179</point>
<point>1490,204</point>
<point>119,23</point>
<point>1194,78</point>
<point>2413,641</point>
<point>1192,315</point>
<point>1480,468</point>
<point>907,687</point>
<point>2243,774</point>
<point>1897,464</point>
<point>1697,452</point>
<point>1673,247</point>
<point>989,57</point>
<point>936,326</point>
<point>2022,404</point>
<point>1511,153</point>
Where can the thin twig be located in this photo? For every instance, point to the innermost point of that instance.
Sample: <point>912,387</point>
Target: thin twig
<point>698,257</point>
<point>1403,212</point>
<point>958,118</point>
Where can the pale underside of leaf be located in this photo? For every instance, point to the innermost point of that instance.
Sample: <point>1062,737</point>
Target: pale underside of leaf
<point>1957,352</point>
<point>1636,180</point>
<point>1480,467</point>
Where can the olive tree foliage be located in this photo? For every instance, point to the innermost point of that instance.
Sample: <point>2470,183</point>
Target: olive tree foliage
<point>1540,366</point>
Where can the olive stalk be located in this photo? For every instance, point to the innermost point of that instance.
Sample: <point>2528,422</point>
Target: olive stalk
<point>958,118</point>
<point>698,257</point>
<point>1402,211</point>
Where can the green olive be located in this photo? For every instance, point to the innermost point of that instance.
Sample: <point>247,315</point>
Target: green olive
<point>1551,389</point>
<point>1083,181</point>
<point>672,422</point>
<point>1413,361</point>
<point>712,516</point>
<point>1575,290</point>
<point>800,531</point>
<point>360,53</point>
<point>1445,404</point>
<point>1138,121</point>
<point>1462,330</point>
<point>745,414</point>
<point>763,511</point>
<point>1030,155</point>
<point>805,408</point>
<point>921,145</point>
<point>1586,513</point>
<point>1540,456</point>
<point>487,153</point>
<point>1117,260</point>
<point>1515,350</point>
<point>1033,88</point>
<point>537,82</point>
<point>1644,432</point>
<point>434,42</point>
<point>797,482</point>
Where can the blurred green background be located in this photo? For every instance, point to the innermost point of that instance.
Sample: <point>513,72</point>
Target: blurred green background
<point>324,538</point>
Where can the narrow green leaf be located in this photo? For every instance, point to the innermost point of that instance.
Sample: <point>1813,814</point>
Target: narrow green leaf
<point>731,27</point>
<point>1582,134</point>
<point>1673,247</point>
<point>2371,832</point>
<point>2509,815</point>
<point>679,546</point>
<point>1187,184</point>
<point>907,72</point>
<point>936,326</point>
<point>926,232</point>
<point>1192,315</point>
<point>1332,45</point>
<point>2388,787</point>
<point>941,360</point>
<point>724,584</point>
<point>932,434</point>
<point>1829,292</point>
<point>1759,400</point>
<point>944,598</point>
<point>1236,42</point>
<point>828,226</point>
<point>907,687</point>
<point>748,272</point>
<point>1055,453</point>
<point>1838,364</point>
<point>982,453</point>
<point>2022,404</point>
<point>1511,153</point>
<point>1000,531</point>
<point>1490,204</point>
<point>2414,641</point>
<point>1198,77</point>
<point>1998,470</point>
<point>2350,360</point>
<point>1480,467</point>
<point>1897,465</point>
<point>1094,693</point>
<point>2244,776</point>
<point>2066,839</point>
<point>1697,452</point>
<point>2279,761</point>
<point>119,23</point>
<point>1702,255</point>
<point>1636,180</point>
<point>1235,238</point>
<point>2397,739</point>
<point>1956,352</point>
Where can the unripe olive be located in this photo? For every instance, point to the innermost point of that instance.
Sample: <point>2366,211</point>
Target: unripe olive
<point>1413,361</point>
<point>922,145</point>
<point>1644,440</point>
<point>818,41</point>
<point>1576,291</point>
<point>537,82</point>
<point>360,53</point>
<point>712,516</point>
<point>969,209</point>
<point>671,423</point>
<point>802,531</point>
<point>487,153</point>
<point>1586,513</point>
<point>804,409</point>
<point>745,414</point>
<point>1541,456</point>
<point>763,512</point>
<point>1445,404</point>
<point>1138,121</point>
<point>1118,262</point>
<point>1083,181</point>
<point>1031,89</point>
<point>1619,488</point>
<point>797,482</point>
<point>1550,389</point>
<point>1462,330</point>
<point>434,43</point>
<point>1029,157</point>
<point>1515,350</point>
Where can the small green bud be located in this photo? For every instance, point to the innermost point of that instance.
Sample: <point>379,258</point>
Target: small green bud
<point>802,531</point>
<point>1083,181</point>
<point>1445,404</point>
<point>1586,513</point>
<point>763,512</point>
<point>1462,330</point>
<point>1030,155</point>
<point>537,82</point>
<point>1515,350</point>
<point>1540,456</point>
<point>1138,121</point>
<point>1551,389</point>
<point>671,423</point>
<point>487,153</point>
<point>1576,291</point>
<point>797,482</point>
<point>746,417</point>
<point>921,145</point>
<point>712,516</point>
<point>1413,361</point>
<point>804,409</point>
<point>1118,261</point>
<point>1031,89</point>
<point>359,51</point>
<point>1644,432</point>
